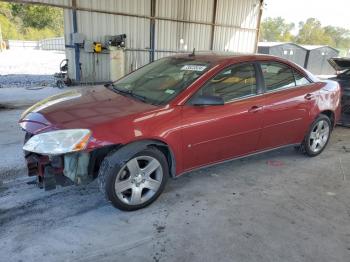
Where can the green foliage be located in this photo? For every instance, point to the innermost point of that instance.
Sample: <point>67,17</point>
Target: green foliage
<point>276,30</point>
<point>30,22</point>
<point>38,16</point>
<point>8,30</point>
<point>310,32</point>
<point>340,36</point>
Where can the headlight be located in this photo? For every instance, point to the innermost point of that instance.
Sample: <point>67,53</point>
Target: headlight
<point>58,142</point>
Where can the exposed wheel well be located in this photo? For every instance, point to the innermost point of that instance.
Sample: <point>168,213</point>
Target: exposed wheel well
<point>98,155</point>
<point>330,115</point>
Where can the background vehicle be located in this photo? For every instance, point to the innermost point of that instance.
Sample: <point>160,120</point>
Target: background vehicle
<point>175,115</point>
<point>342,66</point>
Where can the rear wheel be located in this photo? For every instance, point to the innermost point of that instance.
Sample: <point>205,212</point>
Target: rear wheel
<point>318,136</point>
<point>135,183</point>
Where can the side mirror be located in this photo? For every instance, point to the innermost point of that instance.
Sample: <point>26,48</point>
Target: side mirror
<point>207,100</point>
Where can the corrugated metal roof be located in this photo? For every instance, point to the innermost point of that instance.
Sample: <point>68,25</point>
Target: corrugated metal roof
<point>312,47</point>
<point>268,44</point>
<point>125,6</point>
<point>63,3</point>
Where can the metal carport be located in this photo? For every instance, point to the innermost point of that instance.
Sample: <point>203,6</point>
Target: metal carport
<point>155,28</point>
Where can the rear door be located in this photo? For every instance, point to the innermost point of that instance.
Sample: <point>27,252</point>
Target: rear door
<point>214,133</point>
<point>289,98</point>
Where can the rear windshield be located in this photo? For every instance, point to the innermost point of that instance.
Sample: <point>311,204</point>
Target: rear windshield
<point>161,81</point>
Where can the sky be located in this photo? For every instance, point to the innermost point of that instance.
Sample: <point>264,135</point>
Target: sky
<point>334,12</point>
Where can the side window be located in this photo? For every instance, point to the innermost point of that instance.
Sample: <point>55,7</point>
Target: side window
<point>277,76</point>
<point>232,83</point>
<point>300,80</point>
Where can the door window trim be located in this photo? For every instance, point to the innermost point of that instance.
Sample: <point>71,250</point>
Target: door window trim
<point>265,91</point>
<point>258,79</point>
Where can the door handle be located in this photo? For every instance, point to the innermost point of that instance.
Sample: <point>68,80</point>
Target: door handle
<point>309,96</point>
<point>255,109</point>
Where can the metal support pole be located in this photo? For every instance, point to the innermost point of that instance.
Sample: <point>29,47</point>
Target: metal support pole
<point>76,46</point>
<point>213,25</point>
<point>258,25</point>
<point>152,30</point>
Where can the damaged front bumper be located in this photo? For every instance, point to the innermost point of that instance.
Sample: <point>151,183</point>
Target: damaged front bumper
<point>63,170</point>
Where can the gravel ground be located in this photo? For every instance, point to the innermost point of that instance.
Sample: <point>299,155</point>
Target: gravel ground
<point>29,68</point>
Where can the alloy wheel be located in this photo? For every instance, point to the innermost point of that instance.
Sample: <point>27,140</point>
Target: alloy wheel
<point>319,136</point>
<point>138,180</point>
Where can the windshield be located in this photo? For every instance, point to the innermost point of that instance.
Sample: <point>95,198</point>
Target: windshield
<point>161,81</point>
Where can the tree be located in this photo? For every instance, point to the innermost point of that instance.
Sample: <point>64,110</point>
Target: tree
<point>8,29</point>
<point>340,36</point>
<point>311,32</point>
<point>30,22</point>
<point>276,30</point>
<point>38,16</point>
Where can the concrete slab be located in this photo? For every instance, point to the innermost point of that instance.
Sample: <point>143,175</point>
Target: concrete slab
<point>279,206</point>
<point>12,98</point>
<point>11,139</point>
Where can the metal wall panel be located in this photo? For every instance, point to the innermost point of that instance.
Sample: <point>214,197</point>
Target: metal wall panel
<point>243,15</point>
<point>169,33</point>
<point>95,26</point>
<point>193,10</point>
<point>240,13</point>
<point>234,40</point>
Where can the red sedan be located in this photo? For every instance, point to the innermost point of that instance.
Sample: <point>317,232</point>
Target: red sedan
<point>173,116</point>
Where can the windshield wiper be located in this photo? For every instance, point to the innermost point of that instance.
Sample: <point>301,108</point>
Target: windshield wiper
<point>130,93</point>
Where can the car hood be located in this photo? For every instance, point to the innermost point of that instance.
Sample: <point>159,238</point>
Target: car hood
<point>83,108</point>
<point>340,63</point>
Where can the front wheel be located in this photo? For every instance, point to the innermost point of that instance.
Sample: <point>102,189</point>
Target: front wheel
<point>135,183</point>
<point>318,136</point>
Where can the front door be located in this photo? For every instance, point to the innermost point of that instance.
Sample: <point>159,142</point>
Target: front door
<point>218,132</point>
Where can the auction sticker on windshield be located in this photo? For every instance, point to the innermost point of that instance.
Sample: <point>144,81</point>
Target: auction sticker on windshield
<point>193,68</point>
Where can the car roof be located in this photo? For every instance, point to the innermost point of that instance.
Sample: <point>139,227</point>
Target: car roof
<point>227,57</point>
<point>222,57</point>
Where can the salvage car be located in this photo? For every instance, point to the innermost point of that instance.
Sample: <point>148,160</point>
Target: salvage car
<point>175,115</point>
<point>342,67</point>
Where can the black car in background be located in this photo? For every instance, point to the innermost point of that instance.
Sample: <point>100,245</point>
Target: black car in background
<point>342,66</point>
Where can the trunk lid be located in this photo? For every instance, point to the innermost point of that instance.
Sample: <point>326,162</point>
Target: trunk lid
<point>340,63</point>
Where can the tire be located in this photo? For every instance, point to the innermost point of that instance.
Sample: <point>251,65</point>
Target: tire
<point>318,136</point>
<point>140,183</point>
<point>60,84</point>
